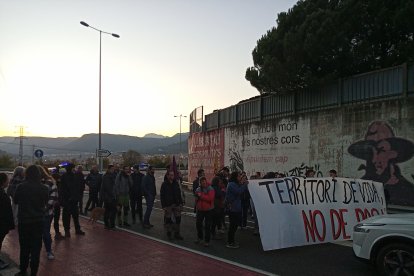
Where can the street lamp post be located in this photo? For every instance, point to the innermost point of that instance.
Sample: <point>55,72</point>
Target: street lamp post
<point>100,109</point>
<point>180,116</point>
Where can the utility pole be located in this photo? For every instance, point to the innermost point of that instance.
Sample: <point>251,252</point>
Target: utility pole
<point>180,116</point>
<point>33,149</point>
<point>21,137</point>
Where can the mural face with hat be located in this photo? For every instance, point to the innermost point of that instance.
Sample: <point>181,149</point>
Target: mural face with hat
<point>382,151</point>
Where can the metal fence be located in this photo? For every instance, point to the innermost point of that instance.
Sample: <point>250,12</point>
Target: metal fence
<point>389,83</point>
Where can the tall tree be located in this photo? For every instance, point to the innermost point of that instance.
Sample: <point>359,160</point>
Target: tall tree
<point>320,40</point>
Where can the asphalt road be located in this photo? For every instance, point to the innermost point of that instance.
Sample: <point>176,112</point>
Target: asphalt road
<point>323,259</point>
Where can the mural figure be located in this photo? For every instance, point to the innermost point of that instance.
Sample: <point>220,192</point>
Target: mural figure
<point>235,159</point>
<point>382,151</point>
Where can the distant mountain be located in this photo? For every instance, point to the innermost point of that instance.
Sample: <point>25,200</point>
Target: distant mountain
<point>154,135</point>
<point>89,143</point>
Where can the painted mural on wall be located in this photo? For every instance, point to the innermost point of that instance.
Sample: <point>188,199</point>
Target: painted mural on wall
<point>382,151</point>
<point>205,151</point>
<point>279,146</point>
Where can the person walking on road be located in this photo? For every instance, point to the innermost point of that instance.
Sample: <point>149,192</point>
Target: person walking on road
<point>50,183</point>
<point>135,195</point>
<point>196,183</point>
<point>93,181</point>
<point>72,191</point>
<point>31,196</point>
<point>205,205</point>
<point>17,178</point>
<point>218,211</point>
<point>172,204</point>
<point>235,189</point>
<point>6,214</point>
<point>150,191</point>
<point>123,182</point>
<point>80,179</point>
<point>57,207</point>
<point>107,195</point>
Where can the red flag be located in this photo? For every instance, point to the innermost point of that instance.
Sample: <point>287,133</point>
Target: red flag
<point>175,169</point>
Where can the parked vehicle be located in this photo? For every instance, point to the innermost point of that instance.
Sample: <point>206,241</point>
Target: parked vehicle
<point>388,242</point>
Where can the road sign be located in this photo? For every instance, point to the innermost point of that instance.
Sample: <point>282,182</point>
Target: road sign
<point>103,153</point>
<point>38,153</point>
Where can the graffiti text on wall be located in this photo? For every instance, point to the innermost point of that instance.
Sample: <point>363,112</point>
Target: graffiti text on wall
<point>255,139</point>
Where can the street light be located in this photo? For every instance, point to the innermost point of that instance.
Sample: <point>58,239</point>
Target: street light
<point>100,59</point>
<point>181,116</point>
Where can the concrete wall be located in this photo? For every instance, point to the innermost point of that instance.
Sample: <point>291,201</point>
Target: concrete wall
<point>371,141</point>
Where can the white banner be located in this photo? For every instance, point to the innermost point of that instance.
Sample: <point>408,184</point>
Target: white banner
<point>296,211</point>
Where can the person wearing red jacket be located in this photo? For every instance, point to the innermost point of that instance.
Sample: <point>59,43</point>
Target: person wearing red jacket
<point>204,205</point>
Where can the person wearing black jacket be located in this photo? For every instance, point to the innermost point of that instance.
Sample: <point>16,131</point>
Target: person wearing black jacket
<point>149,190</point>
<point>6,214</point>
<point>171,203</point>
<point>31,196</point>
<point>135,194</point>
<point>196,183</point>
<point>93,181</point>
<point>72,190</point>
<point>108,197</point>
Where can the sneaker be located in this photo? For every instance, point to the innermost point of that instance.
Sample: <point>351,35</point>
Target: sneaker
<point>206,244</point>
<point>80,232</point>
<point>50,256</point>
<point>59,236</point>
<point>146,226</point>
<point>232,245</point>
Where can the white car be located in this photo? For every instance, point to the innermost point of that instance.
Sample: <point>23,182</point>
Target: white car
<point>388,242</point>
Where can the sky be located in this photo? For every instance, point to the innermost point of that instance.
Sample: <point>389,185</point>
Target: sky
<point>172,56</point>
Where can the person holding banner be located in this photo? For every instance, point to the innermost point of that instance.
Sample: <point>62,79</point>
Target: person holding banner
<point>235,189</point>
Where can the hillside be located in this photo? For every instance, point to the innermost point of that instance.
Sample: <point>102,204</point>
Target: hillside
<point>89,143</point>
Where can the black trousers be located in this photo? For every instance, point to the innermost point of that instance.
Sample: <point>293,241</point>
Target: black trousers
<point>245,203</point>
<point>235,219</point>
<point>71,209</point>
<point>30,239</point>
<point>56,218</point>
<point>205,216</point>
<point>136,207</point>
<point>110,213</point>
<point>216,221</point>
<point>93,199</point>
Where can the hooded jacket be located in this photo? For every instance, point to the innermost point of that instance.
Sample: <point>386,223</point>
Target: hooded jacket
<point>205,198</point>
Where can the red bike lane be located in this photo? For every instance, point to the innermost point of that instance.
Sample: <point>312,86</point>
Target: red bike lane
<point>103,252</point>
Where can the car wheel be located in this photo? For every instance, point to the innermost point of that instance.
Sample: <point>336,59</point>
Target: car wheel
<point>395,259</point>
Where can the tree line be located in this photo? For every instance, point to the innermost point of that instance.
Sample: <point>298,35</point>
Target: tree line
<point>318,41</point>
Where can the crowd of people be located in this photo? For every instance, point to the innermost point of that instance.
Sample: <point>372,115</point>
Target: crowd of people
<point>35,198</point>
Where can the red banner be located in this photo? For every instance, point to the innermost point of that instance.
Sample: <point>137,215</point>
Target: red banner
<point>206,151</point>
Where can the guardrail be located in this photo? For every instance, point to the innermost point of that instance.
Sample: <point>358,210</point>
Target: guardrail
<point>389,83</point>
